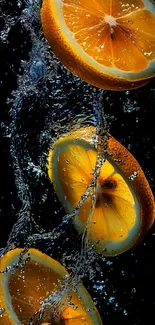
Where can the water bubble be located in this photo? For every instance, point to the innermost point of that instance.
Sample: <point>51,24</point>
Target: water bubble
<point>37,70</point>
<point>2,310</point>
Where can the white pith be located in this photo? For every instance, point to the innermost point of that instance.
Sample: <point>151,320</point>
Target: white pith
<point>77,49</point>
<point>110,20</point>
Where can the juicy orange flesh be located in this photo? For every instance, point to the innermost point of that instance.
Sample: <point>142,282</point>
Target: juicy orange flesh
<point>114,214</point>
<point>29,286</point>
<point>114,33</point>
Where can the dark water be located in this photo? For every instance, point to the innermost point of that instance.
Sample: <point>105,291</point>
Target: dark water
<point>40,99</point>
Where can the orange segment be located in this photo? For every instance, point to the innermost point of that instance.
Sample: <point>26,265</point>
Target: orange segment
<point>89,30</point>
<point>116,227</point>
<point>126,212</point>
<point>109,43</point>
<point>75,168</point>
<point>142,38</point>
<point>105,39</point>
<point>34,284</point>
<point>77,158</point>
<point>84,215</point>
<point>93,6</point>
<point>102,52</point>
<point>115,8</point>
<point>23,292</point>
<point>121,190</point>
<point>125,7</point>
<point>120,216</point>
<point>126,55</point>
<point>112,219</point>
<point>107,170</point>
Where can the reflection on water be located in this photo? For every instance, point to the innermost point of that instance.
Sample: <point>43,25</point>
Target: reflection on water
<point>46,101</point>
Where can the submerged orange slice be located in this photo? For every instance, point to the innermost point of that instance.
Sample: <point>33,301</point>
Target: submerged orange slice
<point>124,209</point>
<point>108,43</point>
<point>23,291</point>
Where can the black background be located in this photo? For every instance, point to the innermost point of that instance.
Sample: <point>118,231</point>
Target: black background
<point>128,291</point>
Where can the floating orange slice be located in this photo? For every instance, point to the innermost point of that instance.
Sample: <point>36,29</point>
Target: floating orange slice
<point>23,291</point>
<point>124,209</point>
<point>108,43</point>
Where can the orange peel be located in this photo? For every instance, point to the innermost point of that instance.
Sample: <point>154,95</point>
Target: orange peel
<point>124,209</point>
<point>109,44</point>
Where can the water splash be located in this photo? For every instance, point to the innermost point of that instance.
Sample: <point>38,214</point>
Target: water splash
<point>48,101</point>
<point>46,90</point>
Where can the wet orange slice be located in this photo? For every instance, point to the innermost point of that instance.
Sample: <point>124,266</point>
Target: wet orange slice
<point>108,43</point>
<point>124,209</point>
<point>23,291</point>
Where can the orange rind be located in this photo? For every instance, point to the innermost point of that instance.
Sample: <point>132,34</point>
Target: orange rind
<point>124,208</point>
<point>109,44</point>
<point>23,291</point>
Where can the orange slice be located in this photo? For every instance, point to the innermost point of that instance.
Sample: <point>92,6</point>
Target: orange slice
<point>108,43</point>
<point>23,291</point>
<point>124,209</point>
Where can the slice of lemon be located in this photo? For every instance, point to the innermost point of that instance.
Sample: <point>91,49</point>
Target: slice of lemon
<point>110,43</point>
<point>124,209</point>
<point>23,291</point>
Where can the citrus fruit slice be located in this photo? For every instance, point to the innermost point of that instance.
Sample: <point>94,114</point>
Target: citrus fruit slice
<point>108,43</point>
<point>23,291</point>
<point>124,209</point>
